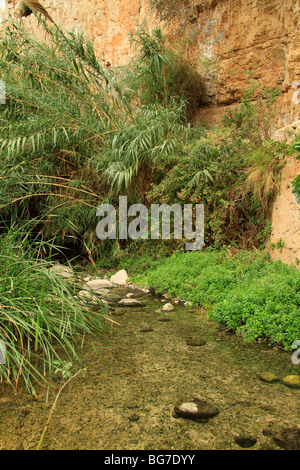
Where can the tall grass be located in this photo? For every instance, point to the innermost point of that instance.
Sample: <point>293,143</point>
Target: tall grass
<point>41,321</point>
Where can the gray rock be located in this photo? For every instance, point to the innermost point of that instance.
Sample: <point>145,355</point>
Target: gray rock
<point>195,409</point>
<point>120,278</point>
<point>97,284</point>
<point>292,381</point>
<point>129,303</point>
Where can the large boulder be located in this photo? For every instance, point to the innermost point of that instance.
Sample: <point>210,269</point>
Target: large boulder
<point>120,278</point>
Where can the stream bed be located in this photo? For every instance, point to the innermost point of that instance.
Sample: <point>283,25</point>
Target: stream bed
<point>136,374</point>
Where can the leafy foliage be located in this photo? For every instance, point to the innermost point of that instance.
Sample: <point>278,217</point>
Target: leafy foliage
<point>296,182</point>
<point>258,298</point>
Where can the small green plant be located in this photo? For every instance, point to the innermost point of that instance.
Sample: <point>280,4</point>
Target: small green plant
<point>296,181</point>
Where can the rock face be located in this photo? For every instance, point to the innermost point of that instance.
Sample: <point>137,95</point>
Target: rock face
<point>228,38</point>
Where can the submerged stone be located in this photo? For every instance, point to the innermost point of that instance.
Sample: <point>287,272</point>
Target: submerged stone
<point>195,409</point>
<point>195,342</point>
<point>292,381</point>
<point>268,377</point>
<point>168,308</point>
<point>288,438</point>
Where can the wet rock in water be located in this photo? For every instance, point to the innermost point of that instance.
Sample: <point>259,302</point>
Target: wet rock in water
<point>63,271</point>
<point>245,441</point>
<point>195,409</point>
<point>268,377</point>
<point>288,438</point>
<point>120,278</point>
<point>195,342</point>
<point>129,303</point>
<point>292,381</point>
<point>168,308</point>
<point>97,284</point>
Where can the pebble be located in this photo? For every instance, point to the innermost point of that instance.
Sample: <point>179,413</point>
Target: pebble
<point>291,381</point>
<point>168,308</point>
<point>129,303</point>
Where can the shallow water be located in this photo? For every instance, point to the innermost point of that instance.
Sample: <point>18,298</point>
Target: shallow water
<point>137,373</point>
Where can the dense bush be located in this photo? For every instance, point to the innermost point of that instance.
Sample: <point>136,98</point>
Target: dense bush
<point>244,291</point>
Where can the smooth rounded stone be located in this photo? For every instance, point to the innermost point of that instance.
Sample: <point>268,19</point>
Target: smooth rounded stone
<point>268,377</point>
<point>168,308</point>
<point>288,438</point>
<point>130,295</point>
<point>195,409</point>
<point>291,381</point>
<point>129,303</point>
<point>245,441</point>
<point>195,342</point>
<point>97,284</point>
<point>63,271</point>
<point>111,297</point>
<point>120,278</point>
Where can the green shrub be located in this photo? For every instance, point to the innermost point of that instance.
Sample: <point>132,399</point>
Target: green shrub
<point>244,291</point>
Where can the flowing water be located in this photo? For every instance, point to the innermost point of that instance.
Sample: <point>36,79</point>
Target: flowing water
<point>137,373</point>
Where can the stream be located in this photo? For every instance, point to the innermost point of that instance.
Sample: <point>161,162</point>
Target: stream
<point>136,374</point>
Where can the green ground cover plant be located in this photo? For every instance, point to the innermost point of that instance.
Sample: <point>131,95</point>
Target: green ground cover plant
<point>245,291</point>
